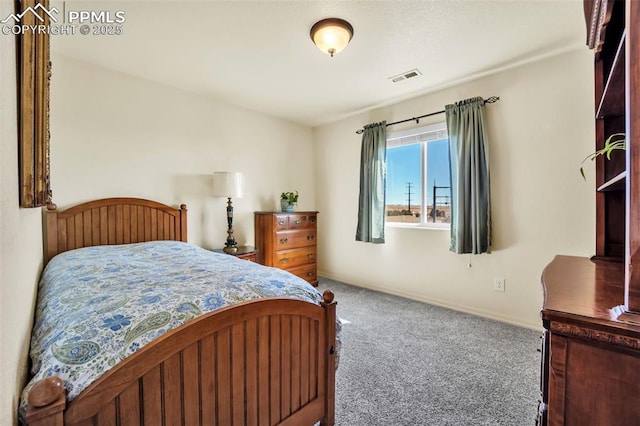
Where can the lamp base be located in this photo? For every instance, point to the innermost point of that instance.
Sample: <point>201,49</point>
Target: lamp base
<point>230,246</point>
<point>230,249</point>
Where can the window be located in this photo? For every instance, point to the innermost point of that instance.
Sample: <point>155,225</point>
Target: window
<point>418,183</point>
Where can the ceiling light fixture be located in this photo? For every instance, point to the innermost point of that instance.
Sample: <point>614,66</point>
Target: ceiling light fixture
<point>331,35</point>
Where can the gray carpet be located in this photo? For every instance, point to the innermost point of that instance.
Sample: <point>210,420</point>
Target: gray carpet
<point>408,363</point>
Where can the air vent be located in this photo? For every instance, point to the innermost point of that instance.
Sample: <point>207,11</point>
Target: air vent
<point>405,75</point>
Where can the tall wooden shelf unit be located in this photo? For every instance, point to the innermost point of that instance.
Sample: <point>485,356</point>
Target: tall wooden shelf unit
<point>591,312</point>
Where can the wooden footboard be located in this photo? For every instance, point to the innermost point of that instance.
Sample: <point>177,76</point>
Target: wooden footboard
<point>263,362</point>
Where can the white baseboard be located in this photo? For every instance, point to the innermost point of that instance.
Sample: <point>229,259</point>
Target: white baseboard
<point>431,301</point>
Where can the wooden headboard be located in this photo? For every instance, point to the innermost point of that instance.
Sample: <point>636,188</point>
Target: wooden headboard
<point>112,221</point>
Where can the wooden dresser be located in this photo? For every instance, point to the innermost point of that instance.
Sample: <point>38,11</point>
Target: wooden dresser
<point>288,241</point>
<point>591,312</point>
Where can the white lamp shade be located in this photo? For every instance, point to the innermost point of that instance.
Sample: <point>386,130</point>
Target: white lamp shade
<point>228,184</point>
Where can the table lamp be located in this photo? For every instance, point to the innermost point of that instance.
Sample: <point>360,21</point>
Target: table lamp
<point>230,185</point>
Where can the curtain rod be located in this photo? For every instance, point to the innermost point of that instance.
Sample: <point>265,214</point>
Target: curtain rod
<point>491,100</point>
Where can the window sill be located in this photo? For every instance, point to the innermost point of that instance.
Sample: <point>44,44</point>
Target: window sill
<point>433,226</point>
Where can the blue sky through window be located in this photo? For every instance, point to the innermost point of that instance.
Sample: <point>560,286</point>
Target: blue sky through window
<point>403,166</point>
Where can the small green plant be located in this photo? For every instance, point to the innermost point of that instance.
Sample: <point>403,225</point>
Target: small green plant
<point>291,197</point>
<point>610,145</point>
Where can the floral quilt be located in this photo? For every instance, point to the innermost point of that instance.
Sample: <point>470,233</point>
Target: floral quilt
<point>98,305</point>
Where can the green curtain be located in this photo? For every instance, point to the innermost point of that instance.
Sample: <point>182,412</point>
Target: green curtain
<point>469,168</point>
<point>373,173</point>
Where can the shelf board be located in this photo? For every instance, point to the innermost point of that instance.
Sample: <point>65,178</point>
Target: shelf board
<point>612,101</point>
<point>617,183</point>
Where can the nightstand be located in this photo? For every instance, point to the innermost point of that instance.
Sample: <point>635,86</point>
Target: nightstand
<point>244,252</point>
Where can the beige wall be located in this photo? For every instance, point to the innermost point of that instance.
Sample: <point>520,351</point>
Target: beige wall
<point>117,135</point>
<point>20,244</point>
<point>539,131</point>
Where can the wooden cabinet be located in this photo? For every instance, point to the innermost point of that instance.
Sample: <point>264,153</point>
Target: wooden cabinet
<point>288,241</point>
<point>591,312</point>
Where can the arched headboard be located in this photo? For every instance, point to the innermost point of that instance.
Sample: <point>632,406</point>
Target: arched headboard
<point>112,221</point>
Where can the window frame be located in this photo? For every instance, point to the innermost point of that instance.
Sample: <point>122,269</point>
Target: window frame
<point>415,132</point>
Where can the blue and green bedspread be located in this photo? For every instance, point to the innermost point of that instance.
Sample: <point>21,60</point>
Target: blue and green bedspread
<point>98,305</point>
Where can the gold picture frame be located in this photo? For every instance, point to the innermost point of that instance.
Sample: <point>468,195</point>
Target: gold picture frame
<point>34,75</point>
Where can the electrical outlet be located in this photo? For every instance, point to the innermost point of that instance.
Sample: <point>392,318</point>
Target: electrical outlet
<point>498,284</point>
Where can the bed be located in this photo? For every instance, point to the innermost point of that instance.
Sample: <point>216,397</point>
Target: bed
<point>269,360</point>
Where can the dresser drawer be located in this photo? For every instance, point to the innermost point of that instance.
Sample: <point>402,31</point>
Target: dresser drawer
<point>294,221</point>
<point>299,221</point>
<point>280,221</point>
<point>307,272</point>
<point>293,239</point>
<point>286,259</point>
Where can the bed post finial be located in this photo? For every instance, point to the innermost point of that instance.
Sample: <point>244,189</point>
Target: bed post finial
<point>327,296</point>
<point>46,391</point>
<point>51,207</point>
<point>47,401</point>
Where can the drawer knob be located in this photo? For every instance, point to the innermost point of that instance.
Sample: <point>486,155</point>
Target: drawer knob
<point>309,274</point>
<point>312,220</point>
<point>281,222</point>
<point>311,255</point>
<point>284,240</point>
<point>310,237</point>
<point>298,221</point>
<point>284,260</point>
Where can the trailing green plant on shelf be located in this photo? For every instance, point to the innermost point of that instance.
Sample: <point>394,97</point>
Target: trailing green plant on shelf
<point>610,145</point>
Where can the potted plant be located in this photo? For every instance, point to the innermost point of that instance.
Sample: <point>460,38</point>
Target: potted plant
<point>288,201</point>
<point>613,142</point>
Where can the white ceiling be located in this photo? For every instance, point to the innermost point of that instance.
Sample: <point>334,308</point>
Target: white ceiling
<point>258,54</point>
